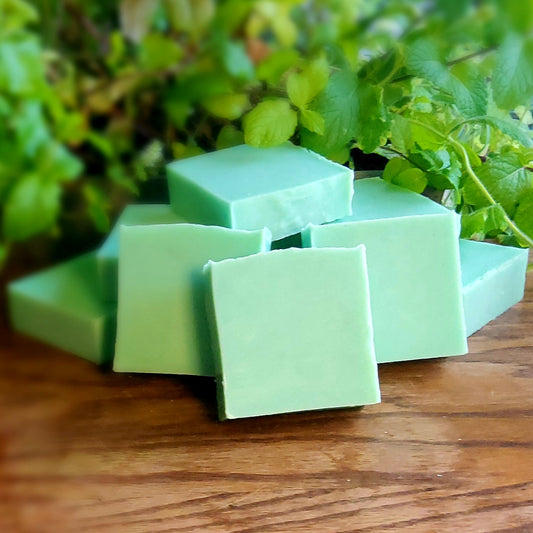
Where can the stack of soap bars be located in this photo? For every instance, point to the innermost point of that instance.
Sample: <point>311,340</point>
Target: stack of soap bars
<point>275,272</point>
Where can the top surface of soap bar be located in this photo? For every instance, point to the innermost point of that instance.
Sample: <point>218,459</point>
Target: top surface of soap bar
<point>138,215</point>
<point>478,258</point>
<point>70,286</point>
<point>244,171</point>
<point>376,199</point>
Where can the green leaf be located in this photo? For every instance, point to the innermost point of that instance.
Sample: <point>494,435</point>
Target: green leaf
<point>16,14</point>
<point>512,79</point>
<point>55,162</point>
<point>271,123</point>
<point>21,67</point>
<point>136,17</point>
<point>524,213</point>
<point>508,127</point>
<point>30,127</point>
<point>338,104</point>
<point>504,178</point>
<point>236,61</point>
<point>312,120</point>
<point>401,134</point>
<point>372,122</point>
<point>302,87</point>
<point>468,90</point>
<point>484,221</point>
<point>32,207</point>
<point>228,106</point>
<point>401,172</point>
<point>159,52</point>
<point>229,136</point>
<point>275,65</point>
<point>97,207</point>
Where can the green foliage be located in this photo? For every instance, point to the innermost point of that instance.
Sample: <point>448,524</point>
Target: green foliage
<point>96,96</point>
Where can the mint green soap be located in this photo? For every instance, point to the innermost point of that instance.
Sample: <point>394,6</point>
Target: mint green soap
<point>413,269</point>
<point>107,255</point>
<point>292,331</point>
<point>494,278</point>
<point>282,188</point>
<point>60,306</point>
<point>162,325</point>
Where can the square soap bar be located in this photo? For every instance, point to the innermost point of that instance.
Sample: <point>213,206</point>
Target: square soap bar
<point>292,331</point>
<point>494,278</point>
<point>107,255</point>
<point>283,188</point>
<point>60,306</point>
<point>413,269</point>
<point>162,324</point>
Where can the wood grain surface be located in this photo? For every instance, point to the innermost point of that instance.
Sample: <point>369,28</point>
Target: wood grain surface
<point>448,449</point>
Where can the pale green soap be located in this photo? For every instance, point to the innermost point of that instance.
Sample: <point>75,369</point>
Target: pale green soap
<point>60,306</point>
<point>107,255</point>
<point>282,188</point>
<point>413,269</point>
<point>494,278</point>
<point>292,331</point>
<point>162,326</point>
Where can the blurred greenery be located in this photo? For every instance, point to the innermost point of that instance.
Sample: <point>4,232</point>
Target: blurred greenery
<point>96,96</point>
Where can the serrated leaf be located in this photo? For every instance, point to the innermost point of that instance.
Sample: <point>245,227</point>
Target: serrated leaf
<point>270,123</point>
<point>401,134</point>
<point>228,106</point>
<point>509,127</point>
<point>57,163</point>
<point>339,106</point>
<point>236,61</point>
<point>401,172</point>
<point>482,222</point>
<point>302,87</point>
<point>159,52</point>
<point>21,67</point>
<point>275,65</point>
<point>31,207</point>
<point>524,213</point>
<point>372,122</point>
<point>395,166</point>
<point>312,120</point>
<point>469,92</point>
<point>229,136</point>
<point>504,178</point>
<point>512,79</point>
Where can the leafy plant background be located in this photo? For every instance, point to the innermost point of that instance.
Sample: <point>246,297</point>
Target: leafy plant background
<point>96,96</point>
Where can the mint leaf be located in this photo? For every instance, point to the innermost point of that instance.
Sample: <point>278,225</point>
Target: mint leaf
<point>508,127</point>
<point>372,121</point>
<point>229,136</point>
<point>512,79</point>
<point>504,177</point>
<point>469,91</point>
<point>275,65</point>
<point>488,220</point>
<point>402,173</point>
<point>159,52</point>
<point>524,213</point>
<point>271,123</point>
<point>21,67</point>
<point>302,87</point>
<point>312,120</point>
<point>401,134</point>
<point>55,162</point>
<point>339,106</point>
<point>236,61</point>
<point>228,106</point>
<point>31,207</point>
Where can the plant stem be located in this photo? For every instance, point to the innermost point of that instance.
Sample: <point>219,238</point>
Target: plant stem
<point>470,171</point>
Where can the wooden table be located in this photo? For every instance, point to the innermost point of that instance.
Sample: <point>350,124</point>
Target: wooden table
<point>448,449</point>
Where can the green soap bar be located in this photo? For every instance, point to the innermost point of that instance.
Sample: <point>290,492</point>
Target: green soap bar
<point>494,277</point>
<point>60,306</point>
<point>162,326</point>
<point>107,255</point>
<point>283,188</point>
<point>413,268</point>
<point>292,331</point>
